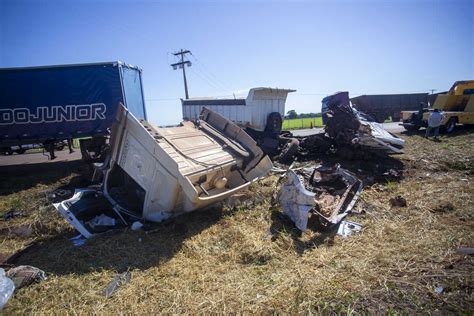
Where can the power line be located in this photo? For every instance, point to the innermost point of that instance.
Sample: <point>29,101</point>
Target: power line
<point>211,75</point>
<point>206,80</point>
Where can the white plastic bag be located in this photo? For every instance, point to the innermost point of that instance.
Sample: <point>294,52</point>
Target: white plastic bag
<point>6,288</point>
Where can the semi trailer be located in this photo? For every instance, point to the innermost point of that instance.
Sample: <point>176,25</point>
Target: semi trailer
<point>383,106</point>
<point>49,104</point>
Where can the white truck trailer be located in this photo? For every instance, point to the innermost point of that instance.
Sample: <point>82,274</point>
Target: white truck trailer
<point>260,112</point>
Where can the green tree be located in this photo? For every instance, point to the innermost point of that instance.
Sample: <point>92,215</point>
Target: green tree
<point>291,114</point>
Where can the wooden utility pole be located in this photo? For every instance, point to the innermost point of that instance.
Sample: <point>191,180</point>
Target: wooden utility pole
<point>181,65</point>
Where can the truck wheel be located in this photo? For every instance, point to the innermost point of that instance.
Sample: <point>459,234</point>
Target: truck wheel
<point>380,118</point>
<point>274,123</point>
<point>449,127</point>
<point>8,152</point>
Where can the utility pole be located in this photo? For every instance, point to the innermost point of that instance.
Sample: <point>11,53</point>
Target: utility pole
<point>181,65</point>
<point>432,90</point>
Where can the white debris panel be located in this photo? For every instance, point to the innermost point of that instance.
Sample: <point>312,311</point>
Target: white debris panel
<point>328,192</point>
<point>154,173</point>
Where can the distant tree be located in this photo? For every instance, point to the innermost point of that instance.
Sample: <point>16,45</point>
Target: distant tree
<point>291,114</point>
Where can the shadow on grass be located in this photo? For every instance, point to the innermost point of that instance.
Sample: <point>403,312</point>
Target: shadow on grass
<point>119,251</point>
<point>282,224</point>
<point>375,170</point>
<point>22,177</point>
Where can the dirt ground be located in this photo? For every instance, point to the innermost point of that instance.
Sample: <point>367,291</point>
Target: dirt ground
<point>246,256</point>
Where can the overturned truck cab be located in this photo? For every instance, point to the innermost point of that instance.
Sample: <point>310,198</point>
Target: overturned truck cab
<point>153,174</point>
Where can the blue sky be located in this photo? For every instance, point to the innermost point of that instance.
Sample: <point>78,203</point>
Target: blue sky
<point>315,47</point>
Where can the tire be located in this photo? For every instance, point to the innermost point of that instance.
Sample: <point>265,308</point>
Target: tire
<point>380,118</point>
<point>450,126</point>
<point>274,123</point>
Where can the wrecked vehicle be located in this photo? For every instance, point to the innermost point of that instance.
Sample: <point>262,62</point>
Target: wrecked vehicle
<point>328,192</point>
<point>349,133</point>
<point>347,126</point>
<point>153,174</point>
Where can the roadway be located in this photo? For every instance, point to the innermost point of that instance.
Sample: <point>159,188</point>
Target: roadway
<point>392,127</point>
<point>36,158</point>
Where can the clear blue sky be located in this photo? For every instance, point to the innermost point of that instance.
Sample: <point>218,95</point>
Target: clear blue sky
<point>316,47</point>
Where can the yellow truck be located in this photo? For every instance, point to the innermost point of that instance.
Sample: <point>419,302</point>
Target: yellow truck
<point>457,107</point>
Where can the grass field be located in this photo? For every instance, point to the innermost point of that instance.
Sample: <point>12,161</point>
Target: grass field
<point>246,256</point>
<point>302,123</point>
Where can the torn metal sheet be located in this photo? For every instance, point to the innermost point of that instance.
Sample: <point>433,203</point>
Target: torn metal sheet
<point>346,125</point>
<point>157,173</point>
<point>347,228</point>
<point>326,191</point>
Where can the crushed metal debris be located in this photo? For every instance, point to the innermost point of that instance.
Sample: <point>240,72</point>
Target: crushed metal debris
<point>326,191</point>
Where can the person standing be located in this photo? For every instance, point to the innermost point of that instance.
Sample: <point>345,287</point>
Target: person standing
<point>434,122</point>
<point>70,145</point>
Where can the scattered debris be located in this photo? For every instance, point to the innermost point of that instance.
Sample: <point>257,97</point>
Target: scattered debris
<point>58,195</point>
<point>465,251</point>
<point>347,228</point>
<point>398,201</point>
<point>12,214</point>
<point>25,275</point>
<point>137,225</point>
<point>101,220</point>
<point>158,173</point>
<point>6,288</point>
<point>118,281</point>
<point>443,207</point>
<point>439,290</point>
<point>78,240</point>
<point>22,231</point>
<point>327,191</point>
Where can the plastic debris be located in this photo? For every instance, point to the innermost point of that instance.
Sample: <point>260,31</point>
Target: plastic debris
<point>118,281</point>
<point>78,240</point>
<point>6,288</point>
<point>347,228</point>
<point>25,275</point>
<point>101,220</point>
<point>137,225</point>
<point>439,289</point>
<point>12,214</point>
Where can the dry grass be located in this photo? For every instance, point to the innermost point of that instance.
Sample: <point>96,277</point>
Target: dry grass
<point>249,258</point>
